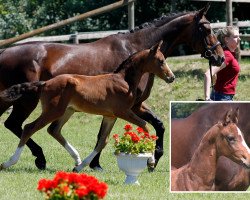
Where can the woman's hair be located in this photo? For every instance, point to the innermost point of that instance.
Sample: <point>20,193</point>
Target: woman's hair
<point>225,32</point>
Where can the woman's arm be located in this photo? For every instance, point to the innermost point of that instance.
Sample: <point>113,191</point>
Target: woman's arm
<point>207,79</point>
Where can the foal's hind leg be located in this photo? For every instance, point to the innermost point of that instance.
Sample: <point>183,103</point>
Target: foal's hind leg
<point>55,131</point>
<point>145,113</point>
<point>21,111</point>
<point>108,123</point>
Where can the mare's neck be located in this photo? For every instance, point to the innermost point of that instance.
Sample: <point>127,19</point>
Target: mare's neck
<point>202,166</point>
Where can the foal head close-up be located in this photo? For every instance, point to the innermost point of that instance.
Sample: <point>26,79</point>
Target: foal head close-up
<point>157,64</point>
<point>230,141</point>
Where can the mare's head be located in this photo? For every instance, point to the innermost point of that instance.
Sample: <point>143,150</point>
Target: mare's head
<point>199,35</point>
<point>230,141</point>
<point>156,63</point>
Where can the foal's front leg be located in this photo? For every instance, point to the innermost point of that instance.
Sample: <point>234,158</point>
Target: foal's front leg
<point>130,116</point>
<point>107,125</point>
<point>145,113</point>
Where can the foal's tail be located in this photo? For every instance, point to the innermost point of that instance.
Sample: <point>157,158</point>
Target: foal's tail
<point>16,91</point>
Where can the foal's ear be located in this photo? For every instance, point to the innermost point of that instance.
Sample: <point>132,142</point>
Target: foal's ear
<point>227,118</point>
<point>204,10</point>
<point>235,116</point>
<point>155,48</point>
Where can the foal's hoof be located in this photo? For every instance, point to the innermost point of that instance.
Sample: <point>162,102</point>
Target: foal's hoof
<point>1,167</point>
<point>40,163</point>
<point>75,170</point>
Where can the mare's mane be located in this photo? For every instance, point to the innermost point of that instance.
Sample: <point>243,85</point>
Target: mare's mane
<point>157,22</point>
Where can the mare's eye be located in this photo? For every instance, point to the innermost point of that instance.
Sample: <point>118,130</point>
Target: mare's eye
<point>230,138</point>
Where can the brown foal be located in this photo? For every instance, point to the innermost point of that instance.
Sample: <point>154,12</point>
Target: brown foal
<point>111,95</point>
<point>223,139</point>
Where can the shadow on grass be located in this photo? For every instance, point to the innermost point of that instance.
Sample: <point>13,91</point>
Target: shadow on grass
<point>30,170</point>
<point>199,74</point>
<point>196,73</point>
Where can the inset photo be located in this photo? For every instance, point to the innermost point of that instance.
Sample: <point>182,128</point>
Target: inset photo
<point>209,146</point>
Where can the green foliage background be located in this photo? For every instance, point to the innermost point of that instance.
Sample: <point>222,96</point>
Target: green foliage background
<point>20,16</point>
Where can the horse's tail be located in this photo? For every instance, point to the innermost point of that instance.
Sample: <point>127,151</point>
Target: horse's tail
<point>17,91</point>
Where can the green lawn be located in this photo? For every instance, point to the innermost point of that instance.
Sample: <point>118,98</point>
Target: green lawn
<point>20,181</point>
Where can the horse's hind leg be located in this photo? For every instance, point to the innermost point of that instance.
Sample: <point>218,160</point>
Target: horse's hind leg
<point>21,111</point>
<point>30,129</point>
<point>55,131</point>
<point>145,113</point>
<point>107,125</point>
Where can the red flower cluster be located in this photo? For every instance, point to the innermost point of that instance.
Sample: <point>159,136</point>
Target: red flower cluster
<point>72,186</point>
<point>132,142</point>
<point>135,138</point>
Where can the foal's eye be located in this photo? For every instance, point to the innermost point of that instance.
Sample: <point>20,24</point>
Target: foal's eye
<point>230,138</point>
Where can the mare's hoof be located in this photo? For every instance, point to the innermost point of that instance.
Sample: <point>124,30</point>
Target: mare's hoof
<point>1,167</point>
<point>98,168</point>
<point>40,163</point>
<point>151,167</point>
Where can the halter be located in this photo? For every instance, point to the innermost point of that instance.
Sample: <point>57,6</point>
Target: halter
<point>209,50</point>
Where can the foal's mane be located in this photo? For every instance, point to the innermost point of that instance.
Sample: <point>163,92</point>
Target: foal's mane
<point>158,21</point>
<point>126,63</point>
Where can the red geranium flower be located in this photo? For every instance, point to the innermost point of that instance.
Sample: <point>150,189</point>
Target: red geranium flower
<point>140,130</point>
<point>128,127</point>
<point>72,186</point>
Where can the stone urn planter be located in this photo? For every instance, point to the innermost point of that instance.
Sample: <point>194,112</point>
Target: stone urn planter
<point>132,165</point>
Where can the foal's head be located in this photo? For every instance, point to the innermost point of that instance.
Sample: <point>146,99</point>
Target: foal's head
<point>156,63</point>
<point>230,141</point>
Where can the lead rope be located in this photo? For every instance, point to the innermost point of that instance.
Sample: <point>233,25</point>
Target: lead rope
<point>211,76</point>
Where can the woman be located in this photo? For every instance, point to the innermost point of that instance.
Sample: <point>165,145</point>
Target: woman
<point>227,73</point>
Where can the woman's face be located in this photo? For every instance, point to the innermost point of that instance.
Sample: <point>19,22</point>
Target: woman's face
<point>233,41</point>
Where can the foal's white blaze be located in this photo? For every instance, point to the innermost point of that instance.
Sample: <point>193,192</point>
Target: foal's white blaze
<point>73,152</point>
<point>13,159</point>
<point>243,142</point>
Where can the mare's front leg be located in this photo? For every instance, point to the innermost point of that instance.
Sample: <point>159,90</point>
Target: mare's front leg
<point>107,125</point>
<point>145,113</point>
<point>20,112</point>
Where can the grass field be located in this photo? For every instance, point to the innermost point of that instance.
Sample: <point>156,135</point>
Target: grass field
<point>20,181</point>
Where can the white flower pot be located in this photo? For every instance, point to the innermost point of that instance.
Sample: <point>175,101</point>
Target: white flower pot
<point>132,165</point>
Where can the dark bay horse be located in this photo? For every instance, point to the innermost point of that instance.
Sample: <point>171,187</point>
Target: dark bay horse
<point>186,135</point>
<point>42,61</point>
<point>222,139</point>
<point>111,95</point>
